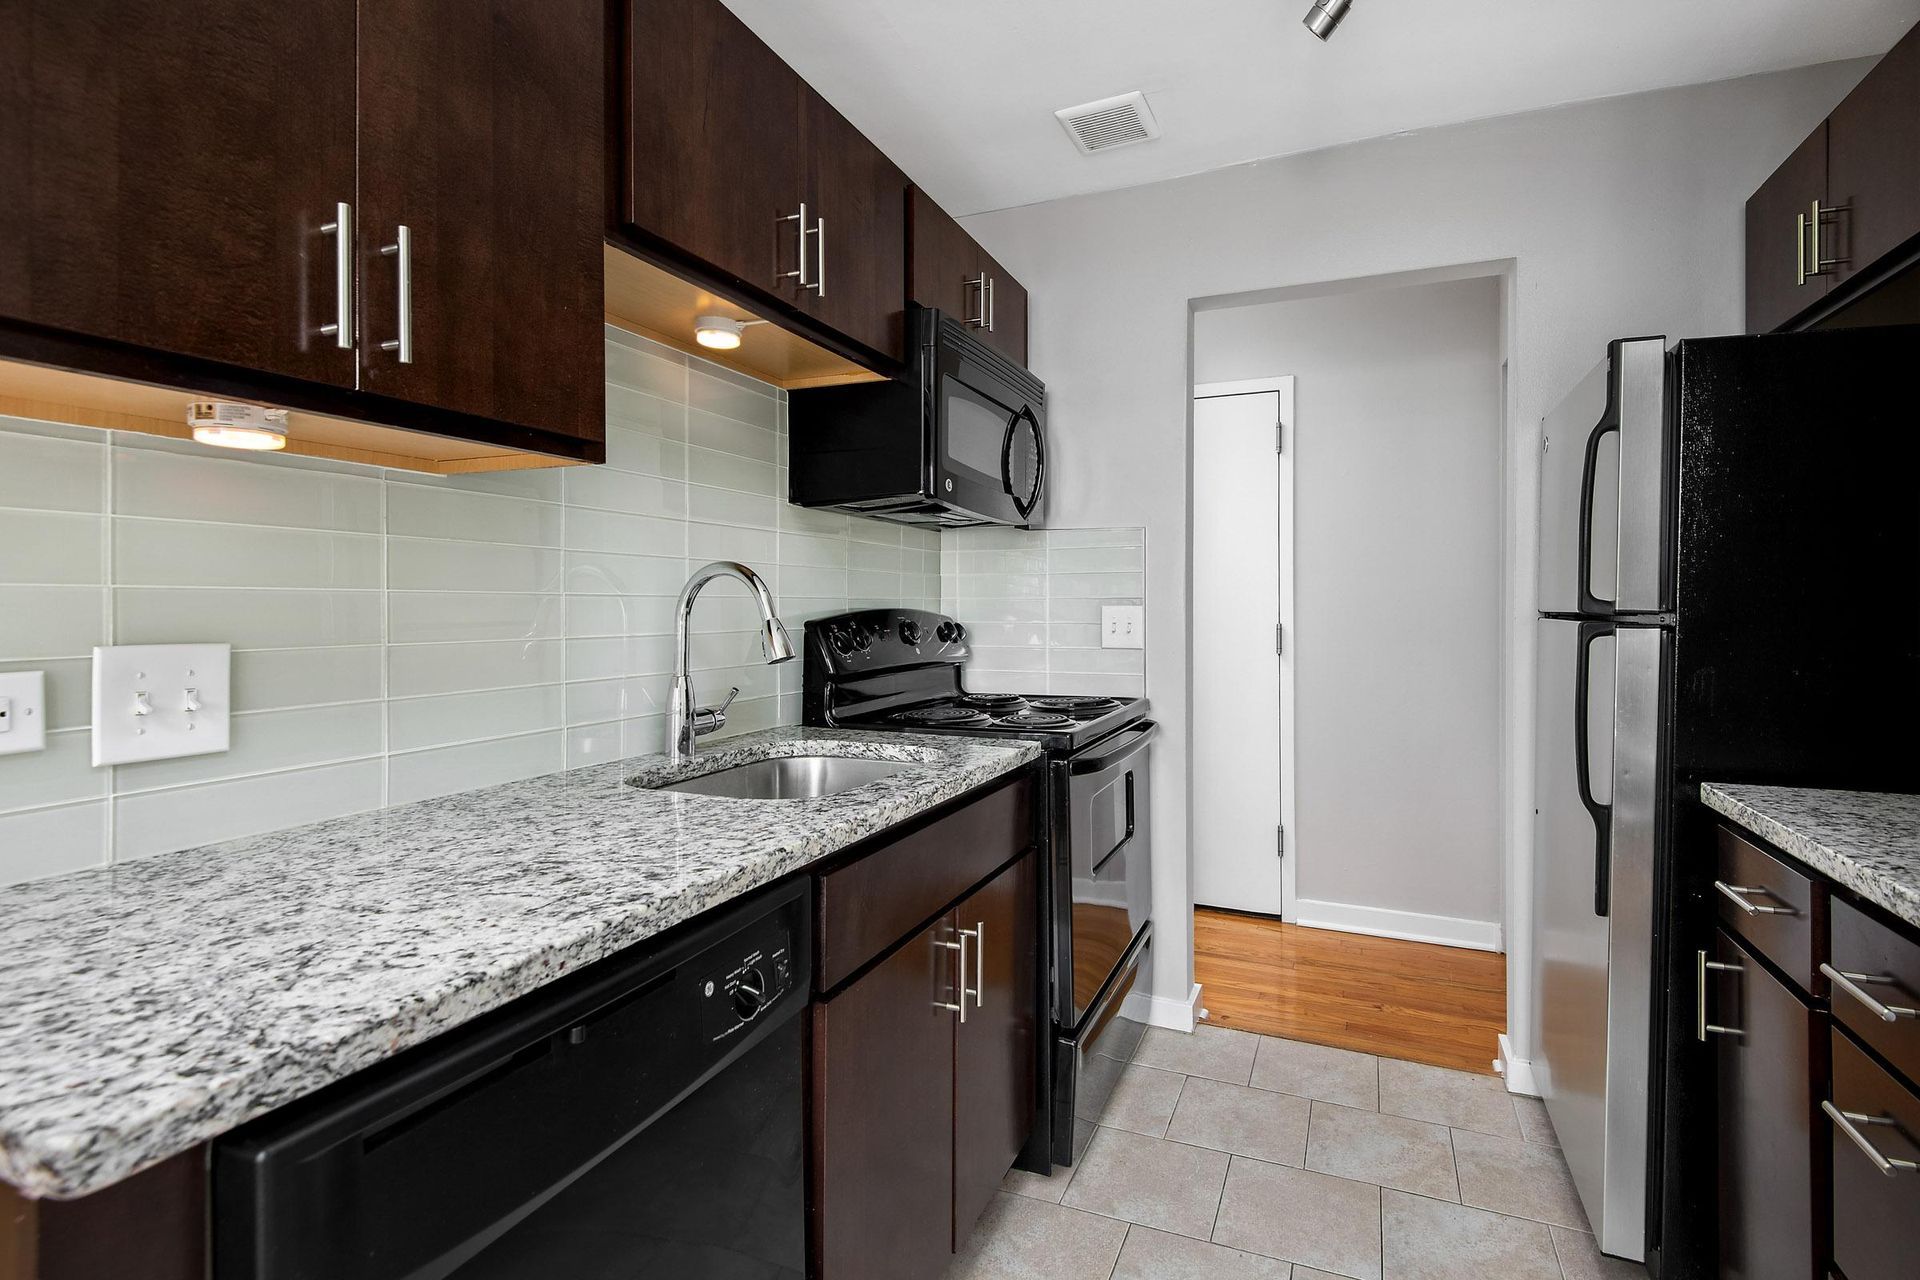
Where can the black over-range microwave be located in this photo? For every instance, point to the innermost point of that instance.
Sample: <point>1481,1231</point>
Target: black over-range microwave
<point>960,440</point>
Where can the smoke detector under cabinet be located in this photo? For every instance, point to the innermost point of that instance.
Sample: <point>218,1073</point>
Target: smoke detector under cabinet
<point>1110,123</point>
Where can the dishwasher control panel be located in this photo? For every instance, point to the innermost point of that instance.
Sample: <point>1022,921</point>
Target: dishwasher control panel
<point>750,973</point>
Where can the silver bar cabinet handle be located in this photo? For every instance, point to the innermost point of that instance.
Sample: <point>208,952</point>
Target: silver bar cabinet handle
<point>1737,893</point>
<point>1845,1122</point>
<point>1817,265</point>
<point>1849,983</point>
<point>979,935</point>
<point>992,309</point>
<point>819,255</point>
<point>341,229</point>
<point>1800,249</point>
<point>402,251</point>
<point>960,975</point>
<point>1701,1027</point>
<point>799,274</point>
<point>979,285</point>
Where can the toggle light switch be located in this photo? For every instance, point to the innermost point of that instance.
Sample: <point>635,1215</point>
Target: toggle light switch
<point>160,701</point>
<point>23,712</point>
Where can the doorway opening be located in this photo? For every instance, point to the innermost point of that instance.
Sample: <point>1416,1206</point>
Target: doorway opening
<point>1350,826</point>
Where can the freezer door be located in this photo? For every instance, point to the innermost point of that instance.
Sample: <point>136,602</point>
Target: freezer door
<point>1603,488</point>
<point>1597,736</point>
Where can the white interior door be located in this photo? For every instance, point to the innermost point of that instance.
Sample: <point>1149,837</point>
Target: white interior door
<point>1242,589</point>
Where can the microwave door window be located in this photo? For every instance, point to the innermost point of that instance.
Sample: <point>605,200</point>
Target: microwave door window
<point>976,431</point>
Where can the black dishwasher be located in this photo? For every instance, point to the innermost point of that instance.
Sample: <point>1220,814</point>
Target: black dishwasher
<point>643,1118</point>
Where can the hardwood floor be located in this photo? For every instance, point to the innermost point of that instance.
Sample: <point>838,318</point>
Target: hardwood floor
<point>1445,1006</point>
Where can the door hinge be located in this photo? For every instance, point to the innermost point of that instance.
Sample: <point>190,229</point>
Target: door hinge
<point>1280,841</point>
<point>1279,437</point>
<point>1279,637</point>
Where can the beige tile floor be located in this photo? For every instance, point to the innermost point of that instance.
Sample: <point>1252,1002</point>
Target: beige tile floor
<point>1230,1156</point>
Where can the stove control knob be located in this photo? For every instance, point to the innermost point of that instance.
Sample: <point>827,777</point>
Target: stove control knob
<point>865,636</point>
<point>750,995</point>
<point>951,633</point>
<point>910,632</point>
<point>841,641</point>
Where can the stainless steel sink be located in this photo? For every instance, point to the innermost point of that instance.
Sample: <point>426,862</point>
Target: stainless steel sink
<point>789,778</point>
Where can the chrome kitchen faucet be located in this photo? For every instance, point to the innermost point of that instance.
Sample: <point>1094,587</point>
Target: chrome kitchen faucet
<point>685,721</point>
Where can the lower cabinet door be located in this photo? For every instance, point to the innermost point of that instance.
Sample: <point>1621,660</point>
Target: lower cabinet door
<point>994,1063</point>
<point>1763,1036</point>
<point>1876,1210</point>
<point>883,1115</point>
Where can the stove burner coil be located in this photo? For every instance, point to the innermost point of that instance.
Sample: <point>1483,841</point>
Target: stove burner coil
<point>1035,720</point>
<point>944,717</point>
<point>993,701</point>
<point>1080,707</point>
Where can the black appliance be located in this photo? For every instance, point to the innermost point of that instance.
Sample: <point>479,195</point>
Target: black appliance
<point>1729,547</point>
<point>643,1117</point>
<point>900,670</point>
<point>960,440</point>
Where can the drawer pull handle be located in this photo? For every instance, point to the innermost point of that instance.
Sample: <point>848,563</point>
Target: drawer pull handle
<point>1849,983</point>
<point>1737,894</point>
<point>1846,1121</point>
<point>1701,1027</point>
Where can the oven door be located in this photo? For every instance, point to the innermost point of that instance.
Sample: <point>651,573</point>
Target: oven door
<point>990,439</point>
<point>1102,853</point>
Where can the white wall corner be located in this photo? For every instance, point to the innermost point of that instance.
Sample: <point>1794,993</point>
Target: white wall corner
<point>1518,1071</point>
<point>1412,926</point>
<point>1170,1012</point>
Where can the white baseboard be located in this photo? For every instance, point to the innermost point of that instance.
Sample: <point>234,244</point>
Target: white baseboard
<point>1518,1071</point>
<point>1450,931</point>
<point>1162,1011</point>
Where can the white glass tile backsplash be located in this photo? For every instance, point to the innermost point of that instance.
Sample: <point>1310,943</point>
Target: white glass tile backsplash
<point>399,636</point>
<point>1032,601</point>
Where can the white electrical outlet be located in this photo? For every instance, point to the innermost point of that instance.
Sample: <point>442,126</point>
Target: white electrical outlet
<point>1123,626</point>
<point>23,711</point>
<point>159,701</point>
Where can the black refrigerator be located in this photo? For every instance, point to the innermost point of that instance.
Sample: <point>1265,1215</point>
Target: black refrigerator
<point>1729,590</point>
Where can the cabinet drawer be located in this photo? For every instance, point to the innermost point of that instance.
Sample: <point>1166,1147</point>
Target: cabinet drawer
<point>1873,963</point>
<point>867,906</point>
<point>1876,1211</point>
<point>1768,903</point>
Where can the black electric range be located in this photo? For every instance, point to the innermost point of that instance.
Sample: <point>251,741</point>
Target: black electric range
<point>901,671</point>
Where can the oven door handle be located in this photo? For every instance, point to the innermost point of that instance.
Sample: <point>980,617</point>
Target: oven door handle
<point>1136,736</point>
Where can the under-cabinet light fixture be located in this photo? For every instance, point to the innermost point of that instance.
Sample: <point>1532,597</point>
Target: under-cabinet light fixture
<point>722,333</point>
<point>237,426</point>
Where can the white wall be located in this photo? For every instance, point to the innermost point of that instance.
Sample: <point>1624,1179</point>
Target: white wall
<point>1622,216</point>
<point>1396,641</point>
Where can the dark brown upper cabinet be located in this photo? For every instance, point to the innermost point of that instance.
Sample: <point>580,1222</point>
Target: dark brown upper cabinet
<point>949,270</point>
<point>733,168</point>
<point>1873,162</point>
<point>386,211</point>
<point>171,167</point>
<point>480,208</point>
<point>1837,217</point>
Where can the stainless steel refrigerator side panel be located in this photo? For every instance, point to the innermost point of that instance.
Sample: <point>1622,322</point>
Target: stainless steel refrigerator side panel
<point>1571,943</point>
<point>1620,1225</point>
<point>1640,393</point>
<point>1563,444</point>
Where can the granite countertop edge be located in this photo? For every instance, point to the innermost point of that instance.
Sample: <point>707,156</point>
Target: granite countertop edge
<point>1868,841</point>
<point>111,1072</point>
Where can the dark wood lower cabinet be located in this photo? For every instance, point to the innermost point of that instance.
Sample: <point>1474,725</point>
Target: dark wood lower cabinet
<point>993,1063</point>
<point>1763,1036</point>
<point>883,1115</point>
<point>152,1226</point>
<point>1876,1213</point>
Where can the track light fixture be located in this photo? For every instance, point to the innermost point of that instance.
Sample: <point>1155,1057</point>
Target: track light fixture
<point>1325,16</point>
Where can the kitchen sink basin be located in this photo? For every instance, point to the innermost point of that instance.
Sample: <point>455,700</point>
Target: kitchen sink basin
<point>789,778</point>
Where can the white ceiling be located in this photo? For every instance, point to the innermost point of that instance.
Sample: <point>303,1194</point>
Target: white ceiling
<point>961,93</point>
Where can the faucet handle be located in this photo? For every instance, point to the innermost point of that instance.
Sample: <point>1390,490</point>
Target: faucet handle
<point>732,693</point>
<point>712,719</point>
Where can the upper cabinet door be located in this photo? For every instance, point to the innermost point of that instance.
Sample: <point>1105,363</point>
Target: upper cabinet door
<point>711,163</point>
<point>168,168</point>
<point>1780,273</point>
<point>947,266</point>
<point>1006,313</point>
<point>481,164</point>
<point>857,234</point>
<point>1873,163</point>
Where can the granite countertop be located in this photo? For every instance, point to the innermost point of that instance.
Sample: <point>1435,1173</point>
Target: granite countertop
<point>149,1006</point>
<point>1869,841</point>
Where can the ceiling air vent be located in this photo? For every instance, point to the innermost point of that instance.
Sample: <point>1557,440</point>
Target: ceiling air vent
<point>1110,123</point>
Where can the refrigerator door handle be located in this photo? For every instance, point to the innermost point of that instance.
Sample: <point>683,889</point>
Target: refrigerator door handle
<point>1602,814</point>
<point>1589,469</point>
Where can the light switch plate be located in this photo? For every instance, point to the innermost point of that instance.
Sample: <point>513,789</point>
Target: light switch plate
<point>23,711</point>
<point>1123,626</point>
<point>144,700</point>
